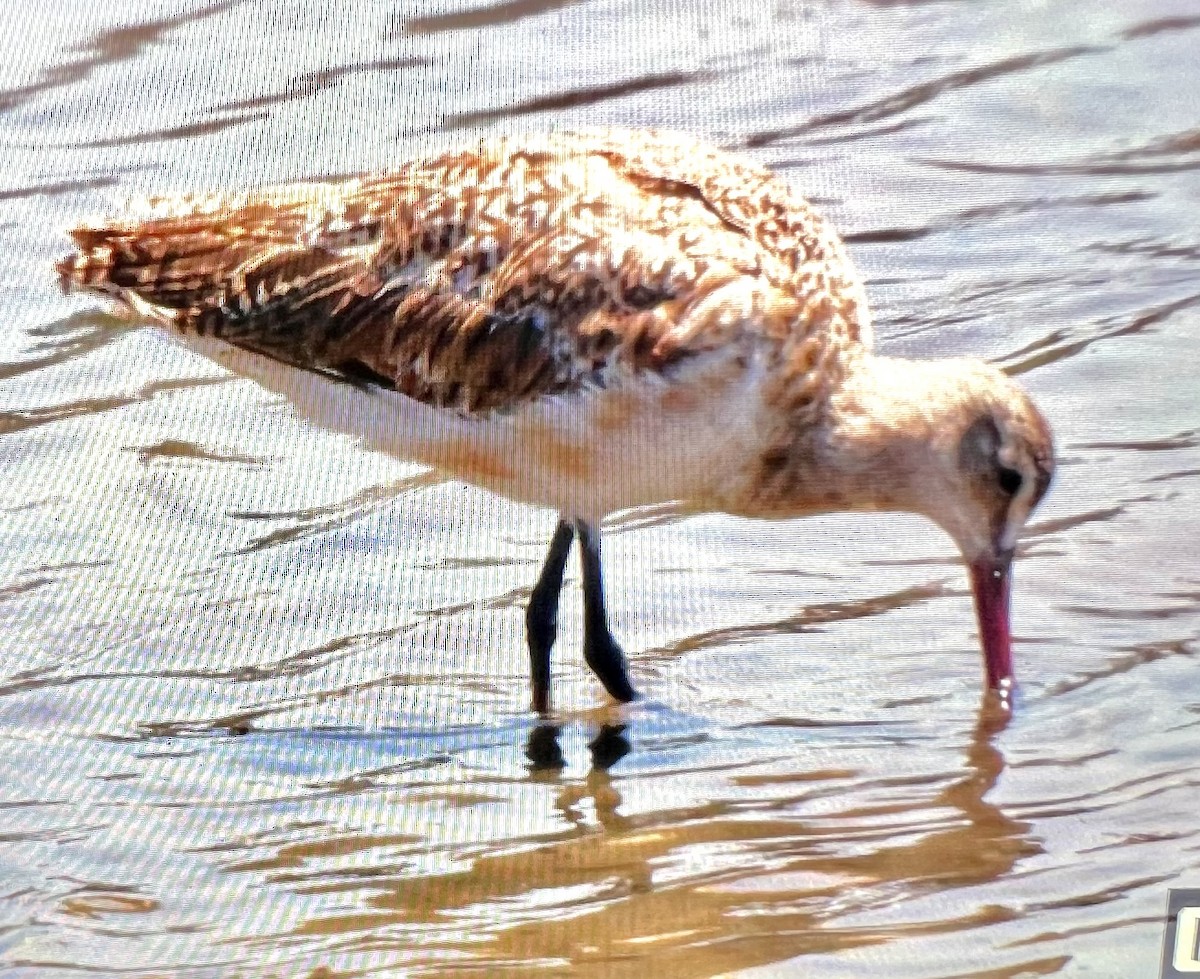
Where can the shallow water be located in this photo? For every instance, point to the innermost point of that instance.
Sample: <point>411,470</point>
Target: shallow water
<point>263,695</point>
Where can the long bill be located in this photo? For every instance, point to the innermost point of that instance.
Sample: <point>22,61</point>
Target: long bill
<point>991,580</point>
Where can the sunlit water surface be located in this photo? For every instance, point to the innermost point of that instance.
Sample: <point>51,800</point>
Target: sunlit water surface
<point>263,694</point>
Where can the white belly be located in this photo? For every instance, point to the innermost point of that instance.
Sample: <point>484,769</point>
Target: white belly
<point>587,454</point>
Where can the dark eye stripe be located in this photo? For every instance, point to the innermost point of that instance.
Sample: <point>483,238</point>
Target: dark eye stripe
<point>1010,480</point>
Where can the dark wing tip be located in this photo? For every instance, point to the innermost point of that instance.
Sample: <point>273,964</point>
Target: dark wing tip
<point>90,266</point>
<point>65,267</point>
<point>73,272</point>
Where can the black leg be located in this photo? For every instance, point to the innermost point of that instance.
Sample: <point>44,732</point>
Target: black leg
<point>600,650</point>
<point>541,615</point>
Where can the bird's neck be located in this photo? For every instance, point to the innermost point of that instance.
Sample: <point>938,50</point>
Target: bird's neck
<point>879,435</point>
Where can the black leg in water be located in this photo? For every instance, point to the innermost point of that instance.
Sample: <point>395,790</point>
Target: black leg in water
<point>600,650</point>
<point>541,616</point>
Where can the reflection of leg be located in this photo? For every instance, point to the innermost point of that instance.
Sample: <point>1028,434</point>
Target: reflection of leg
<point>541,615</point>
<point>543,748</point>
<point>600,650</point>
<point>609,746</point>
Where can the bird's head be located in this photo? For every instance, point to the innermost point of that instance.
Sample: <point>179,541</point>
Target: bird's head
<point>959,442</point>
<point>991,467</point>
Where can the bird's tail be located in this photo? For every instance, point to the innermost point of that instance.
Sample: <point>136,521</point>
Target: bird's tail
<point>179,256</point>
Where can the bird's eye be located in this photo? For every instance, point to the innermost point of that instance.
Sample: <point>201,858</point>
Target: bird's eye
<point>1010,480</point>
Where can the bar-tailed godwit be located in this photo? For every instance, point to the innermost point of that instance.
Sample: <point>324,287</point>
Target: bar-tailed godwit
<point>590,322</point>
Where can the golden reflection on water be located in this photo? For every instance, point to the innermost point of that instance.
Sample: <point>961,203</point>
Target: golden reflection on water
<point>687,890</point>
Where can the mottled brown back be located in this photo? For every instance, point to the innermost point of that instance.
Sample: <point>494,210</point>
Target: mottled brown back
<point>479,280</point>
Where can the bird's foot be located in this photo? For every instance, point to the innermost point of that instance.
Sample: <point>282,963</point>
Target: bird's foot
<point>607,661</point>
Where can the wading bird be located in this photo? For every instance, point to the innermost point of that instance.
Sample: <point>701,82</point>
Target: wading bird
<point>590,322</point>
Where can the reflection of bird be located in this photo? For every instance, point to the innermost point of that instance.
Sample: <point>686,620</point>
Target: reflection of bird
<point>589,323</point>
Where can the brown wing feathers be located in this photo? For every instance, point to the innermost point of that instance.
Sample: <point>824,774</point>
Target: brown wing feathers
<point>475,281</point>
